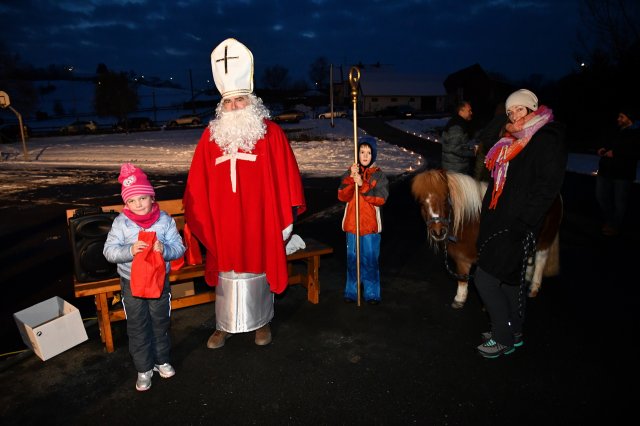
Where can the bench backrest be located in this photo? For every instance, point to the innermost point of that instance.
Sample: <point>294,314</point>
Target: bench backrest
<point>173,207</point>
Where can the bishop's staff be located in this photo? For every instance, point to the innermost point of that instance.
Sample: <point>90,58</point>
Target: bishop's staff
<point>354,78</point>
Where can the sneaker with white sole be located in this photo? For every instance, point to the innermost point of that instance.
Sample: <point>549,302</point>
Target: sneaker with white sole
<point>144,381</point>
<point>517,338</point>
<point>493,349</point>
<point>165,370</point>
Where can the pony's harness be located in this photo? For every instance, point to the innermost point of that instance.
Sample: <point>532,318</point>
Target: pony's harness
<point>529,244</point>
<point>446,221</point>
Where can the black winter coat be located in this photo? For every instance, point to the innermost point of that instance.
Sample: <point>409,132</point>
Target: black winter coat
<point>456,150</point>
<point>534,179</point>
<point>625,145</point>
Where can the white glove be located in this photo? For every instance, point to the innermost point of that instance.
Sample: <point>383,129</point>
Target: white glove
<point>295,244</point>
<point>286,232</point>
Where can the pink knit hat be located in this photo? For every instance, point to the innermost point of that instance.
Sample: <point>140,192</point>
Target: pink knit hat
<point>134,182</point>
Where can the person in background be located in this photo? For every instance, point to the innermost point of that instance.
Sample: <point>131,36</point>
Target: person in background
<point>457,149</point>
<point>527,169</point>
<point>617,171</point>
<point>486,137</point>
<point>372,189</point>
<point>242,196</point>
<point>148,319</point>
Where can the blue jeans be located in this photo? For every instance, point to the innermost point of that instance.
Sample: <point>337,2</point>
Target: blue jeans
<point>148,322</point>
<point>369,271</point>
<point>613,198</point>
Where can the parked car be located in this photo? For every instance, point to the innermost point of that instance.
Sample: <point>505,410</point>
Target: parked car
<point>10,133</point>
<point>399,111</point>
<point>185,120</point>
<point>289,116</point>
<point>134,123</point>
<point>78,127</point>
<point>336,114</point>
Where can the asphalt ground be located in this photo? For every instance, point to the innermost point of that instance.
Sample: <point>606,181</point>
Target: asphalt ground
<point>409,360</point>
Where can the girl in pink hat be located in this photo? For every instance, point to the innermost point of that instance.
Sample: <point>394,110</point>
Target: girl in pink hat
<point>148,315</point>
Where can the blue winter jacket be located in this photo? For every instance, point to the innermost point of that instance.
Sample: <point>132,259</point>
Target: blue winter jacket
<point>124,232</point>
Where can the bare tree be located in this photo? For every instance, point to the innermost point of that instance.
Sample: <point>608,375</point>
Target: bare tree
<point>319,73</point>
<point>275,77</point>
<point>611,26</point>
<point>114,95</point>
<point>24,96</point>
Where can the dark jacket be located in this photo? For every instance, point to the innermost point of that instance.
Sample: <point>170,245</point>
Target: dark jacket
<point>534,179</point>
<point>487,137</point>
<point>456,150</point>
<point>625,145</point>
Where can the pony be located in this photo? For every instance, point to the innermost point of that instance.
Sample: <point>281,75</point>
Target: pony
<point>450,204</point>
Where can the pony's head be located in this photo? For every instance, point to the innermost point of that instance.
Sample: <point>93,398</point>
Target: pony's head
<point>447,201</point>
<point>431,191</point>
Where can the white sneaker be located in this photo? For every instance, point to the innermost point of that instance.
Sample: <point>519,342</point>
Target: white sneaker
<point>144,381</point>
<point>165,370</point>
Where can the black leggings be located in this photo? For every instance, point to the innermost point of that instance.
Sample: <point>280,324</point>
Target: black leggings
<point>501,301</point>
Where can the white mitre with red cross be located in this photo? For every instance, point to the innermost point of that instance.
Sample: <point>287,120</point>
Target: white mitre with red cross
<point>232,65</point>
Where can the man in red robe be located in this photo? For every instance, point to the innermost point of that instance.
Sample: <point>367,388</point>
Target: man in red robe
<point>243,193</point>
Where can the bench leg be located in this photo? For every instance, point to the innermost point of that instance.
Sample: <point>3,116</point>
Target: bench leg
<point>104,322</point>
<point>96,300</point>
<point>313,279</point>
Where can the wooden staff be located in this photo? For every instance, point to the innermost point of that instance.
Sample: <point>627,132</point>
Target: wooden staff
<point>354,78</point>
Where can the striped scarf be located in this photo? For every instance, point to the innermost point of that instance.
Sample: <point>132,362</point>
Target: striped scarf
<point>516,138</point>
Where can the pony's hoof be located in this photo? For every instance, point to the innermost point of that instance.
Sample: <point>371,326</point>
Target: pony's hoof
<point>457,305</point>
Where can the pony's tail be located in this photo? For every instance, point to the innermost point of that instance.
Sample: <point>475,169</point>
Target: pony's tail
<point>552,266</point>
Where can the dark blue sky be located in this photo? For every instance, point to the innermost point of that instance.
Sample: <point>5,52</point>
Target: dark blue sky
<point>167,38</point>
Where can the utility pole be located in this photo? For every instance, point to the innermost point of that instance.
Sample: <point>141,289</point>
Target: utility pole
<point>331,94</point>
<point>193,104</point>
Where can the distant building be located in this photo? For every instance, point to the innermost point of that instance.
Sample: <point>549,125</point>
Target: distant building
<point>381,86</point>
<point>473,84</point>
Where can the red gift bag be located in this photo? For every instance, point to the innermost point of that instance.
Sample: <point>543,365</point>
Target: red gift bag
<point>193,255</point>
<point>177,264</point>
<point>147,269</point>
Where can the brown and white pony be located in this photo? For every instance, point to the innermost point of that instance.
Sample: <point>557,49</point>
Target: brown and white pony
<point>450,205</point>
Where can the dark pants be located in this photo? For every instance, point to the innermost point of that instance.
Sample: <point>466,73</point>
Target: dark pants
<point>613,198</point>
<point>148,323</point>
<point>501,301</point>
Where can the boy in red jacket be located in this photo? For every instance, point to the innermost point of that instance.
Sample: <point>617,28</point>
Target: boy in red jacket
<point>373,190</point>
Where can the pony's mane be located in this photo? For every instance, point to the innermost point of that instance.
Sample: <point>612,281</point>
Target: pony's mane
<point>466,195</point>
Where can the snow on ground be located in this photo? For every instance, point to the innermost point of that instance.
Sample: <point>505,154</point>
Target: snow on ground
<point>321,150</point>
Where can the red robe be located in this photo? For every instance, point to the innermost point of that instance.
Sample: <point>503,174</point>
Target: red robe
<point>242,231</point>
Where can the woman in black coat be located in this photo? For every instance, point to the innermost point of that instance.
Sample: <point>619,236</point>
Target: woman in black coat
<point>527,169</point>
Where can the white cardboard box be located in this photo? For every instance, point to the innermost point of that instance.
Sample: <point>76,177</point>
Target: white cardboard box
<point>51,327</point>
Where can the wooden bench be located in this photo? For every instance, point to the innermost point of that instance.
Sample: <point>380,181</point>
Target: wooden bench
<point>105,290</point>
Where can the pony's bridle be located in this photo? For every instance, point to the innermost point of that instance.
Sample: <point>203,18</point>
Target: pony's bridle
<point>446,221</point>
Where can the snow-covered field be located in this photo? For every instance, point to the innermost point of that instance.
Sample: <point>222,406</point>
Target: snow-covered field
<point>325,151</point>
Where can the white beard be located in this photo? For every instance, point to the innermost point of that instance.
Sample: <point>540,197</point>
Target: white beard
<point>239,130</point>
